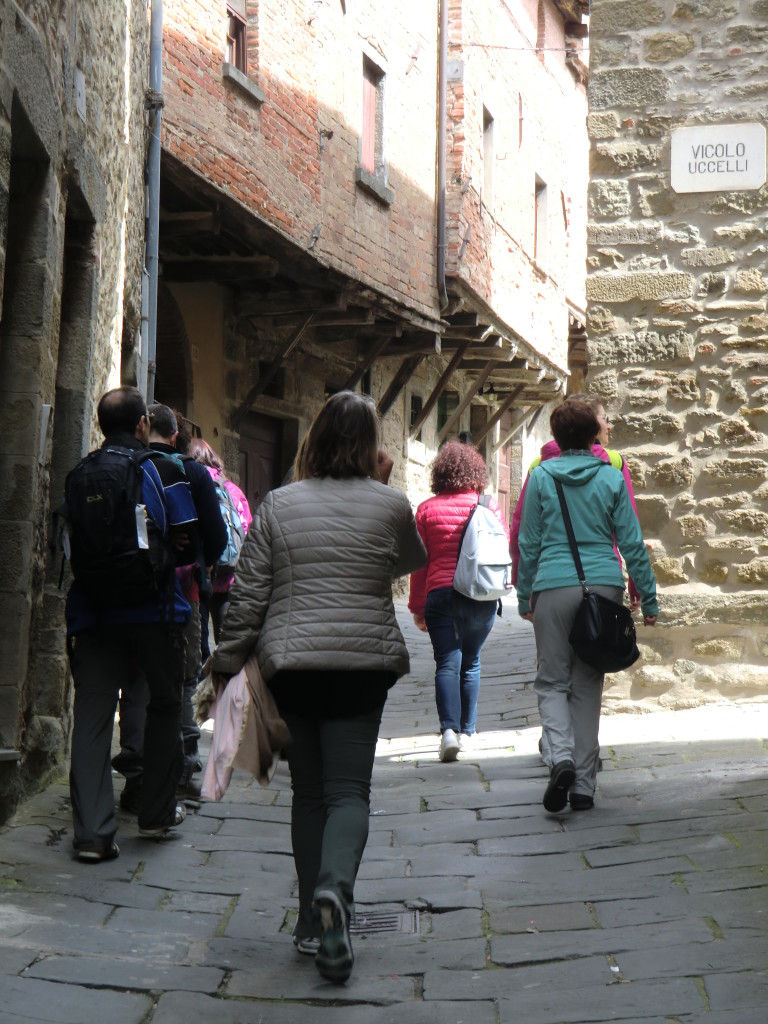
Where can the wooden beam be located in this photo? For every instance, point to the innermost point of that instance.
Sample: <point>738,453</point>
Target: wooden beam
<point>407,369</point>
<point>283,303</point>
<point>438,389</point>
<point>463,320</point>
<point>193,222</point>
<point>508,401</point>
<point>266,379</point>
<point>513,429</point>
<point>371,356</point>
<point>411,344</point>
<point>455,416</point>
<point>206,269</point>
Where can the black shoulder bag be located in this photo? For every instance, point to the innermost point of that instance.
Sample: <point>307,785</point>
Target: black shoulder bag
<point>603,632</point>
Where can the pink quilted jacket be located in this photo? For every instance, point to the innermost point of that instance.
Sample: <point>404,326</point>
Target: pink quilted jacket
<point>440,520</point>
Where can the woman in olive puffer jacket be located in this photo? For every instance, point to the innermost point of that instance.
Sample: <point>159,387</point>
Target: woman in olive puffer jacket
<point>313,595</point>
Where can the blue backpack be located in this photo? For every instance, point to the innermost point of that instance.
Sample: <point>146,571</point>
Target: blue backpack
<point>235,529</point>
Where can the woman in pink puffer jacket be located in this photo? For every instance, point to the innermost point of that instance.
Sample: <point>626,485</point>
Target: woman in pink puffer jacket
<point>457,625</point>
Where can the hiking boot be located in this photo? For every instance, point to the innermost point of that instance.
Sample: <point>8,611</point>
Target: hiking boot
<point>561,779</point>
<point>449,746</point>
<point>581,802</point>
<point>160,831</point>
<point>334,958</point>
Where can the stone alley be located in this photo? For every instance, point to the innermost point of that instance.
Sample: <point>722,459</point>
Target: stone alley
<point>473,904</point>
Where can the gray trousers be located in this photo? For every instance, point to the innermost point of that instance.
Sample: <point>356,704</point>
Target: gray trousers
<point>569,691</point>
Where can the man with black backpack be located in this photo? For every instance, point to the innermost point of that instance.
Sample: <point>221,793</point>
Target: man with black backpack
<point>210,541</point>
<point>125,616</point>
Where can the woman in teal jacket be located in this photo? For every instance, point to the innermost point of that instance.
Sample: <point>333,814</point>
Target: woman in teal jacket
<point>548,592</point>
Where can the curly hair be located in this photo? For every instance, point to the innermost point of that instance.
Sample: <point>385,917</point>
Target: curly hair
<point>459,467</point>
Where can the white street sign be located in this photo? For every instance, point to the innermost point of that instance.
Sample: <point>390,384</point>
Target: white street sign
<point>718,158</point>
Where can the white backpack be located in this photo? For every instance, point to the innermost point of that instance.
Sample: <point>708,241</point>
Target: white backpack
<point>484,568</point>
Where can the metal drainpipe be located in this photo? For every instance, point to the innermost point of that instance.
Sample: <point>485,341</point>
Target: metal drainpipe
<point>442,104</point>
<point>155,104</point>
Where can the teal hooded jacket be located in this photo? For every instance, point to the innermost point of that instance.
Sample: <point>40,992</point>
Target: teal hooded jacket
<point>600,510</point>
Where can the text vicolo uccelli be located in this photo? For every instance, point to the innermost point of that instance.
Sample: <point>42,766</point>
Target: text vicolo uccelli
<point>718,158</point>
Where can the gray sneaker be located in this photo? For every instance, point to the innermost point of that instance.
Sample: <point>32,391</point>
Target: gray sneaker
<point>160,831</point>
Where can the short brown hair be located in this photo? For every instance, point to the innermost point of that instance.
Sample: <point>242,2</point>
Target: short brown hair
<point>574,425</point>
<point>344,439</point>
<point>459,467</point>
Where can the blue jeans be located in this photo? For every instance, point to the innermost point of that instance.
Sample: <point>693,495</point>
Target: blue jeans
<point>458,627</point>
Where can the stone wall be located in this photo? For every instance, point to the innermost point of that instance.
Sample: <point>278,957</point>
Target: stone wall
<point>72,80</point>
<point>678,331</point>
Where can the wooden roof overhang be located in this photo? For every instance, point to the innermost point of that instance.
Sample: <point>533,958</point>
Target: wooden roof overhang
<point>207,236</point>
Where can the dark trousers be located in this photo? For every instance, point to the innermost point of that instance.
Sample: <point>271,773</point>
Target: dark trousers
<point>105,660</point>
<point>134,699</point>
<point>331,763</point>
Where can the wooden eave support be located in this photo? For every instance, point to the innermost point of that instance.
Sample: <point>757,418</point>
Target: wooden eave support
<point>266,379</point>
<point>407,369</point>
<point>438,389</point>
<point>373,353</point>
<point>456,415</point>
<point>508,401</point>
<point>288,303</point>
<point>516,426</point>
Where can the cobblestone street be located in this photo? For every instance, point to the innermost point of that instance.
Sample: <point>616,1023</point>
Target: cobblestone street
<point>474,905</point>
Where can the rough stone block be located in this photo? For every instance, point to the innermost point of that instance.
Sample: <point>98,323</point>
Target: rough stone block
<point>629,88</point>
<point>625,233</point>
<point>654,512</point>
<point>709,10</point>
<point>639,287</point>
<point>642,348</point>
<point>676,473</point>
<point>662,47</point>
<point>750,282</point>
<point>755,572</point>
<point>617,157</point>
<point>692,526</point>
<point>730,470</point>
<point>610,19</point>
<point>609,199</point>
<point>603,126</point>
<point>669,570</point>
<point>707,257</point>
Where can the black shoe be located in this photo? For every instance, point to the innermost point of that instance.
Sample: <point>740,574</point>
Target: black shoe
<point>161,831</point>
<point>561,778</point>
<point>580,802</point>
<point>90,854</point>
<point>334,959</point>
<point>188,792</point>
<point>129,798</point>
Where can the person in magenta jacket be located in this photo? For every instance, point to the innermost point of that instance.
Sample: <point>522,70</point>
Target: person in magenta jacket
<point>457,625</point>
<point>600,448</point>
<point>218,602</point>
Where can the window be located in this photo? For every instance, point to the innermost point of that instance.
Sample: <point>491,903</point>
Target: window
<point>371,174</point>
<point>488,159</point>
<point>447,404</point>
<point>540,222</point>
<point>237,52</point>
<point>372,143</point>
<point>417,405</point>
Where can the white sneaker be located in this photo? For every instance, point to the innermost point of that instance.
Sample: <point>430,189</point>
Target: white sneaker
<point>449,746</point>
<point>467,741</point>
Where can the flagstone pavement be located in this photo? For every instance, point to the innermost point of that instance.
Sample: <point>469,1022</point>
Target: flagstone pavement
<point>474,906</point>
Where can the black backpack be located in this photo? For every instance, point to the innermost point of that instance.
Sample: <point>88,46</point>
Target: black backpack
<point>117,552</point>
